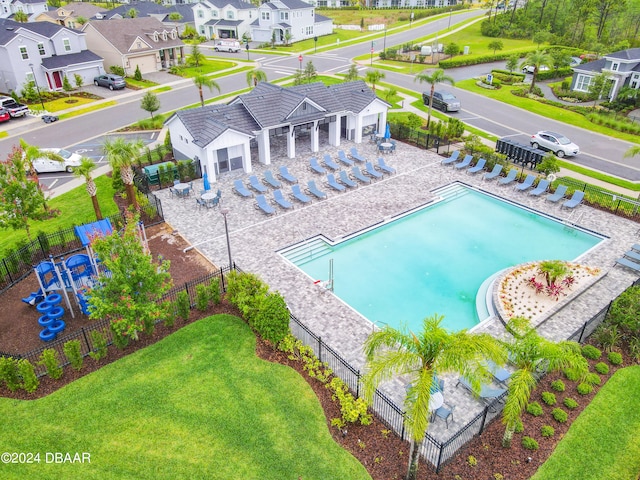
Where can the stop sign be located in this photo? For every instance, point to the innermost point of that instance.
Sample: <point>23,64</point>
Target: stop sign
<point>300,58</point>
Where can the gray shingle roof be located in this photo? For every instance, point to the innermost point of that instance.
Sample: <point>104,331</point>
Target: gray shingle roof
<point>80,9</point>
<point>628,54</point>
<point>60,61</point>
<point>144,9</point>
<point>591,67</point>
<point>237,4</point>
<point>291,4</point>
<point>9,28</point>
<point>122,32</point>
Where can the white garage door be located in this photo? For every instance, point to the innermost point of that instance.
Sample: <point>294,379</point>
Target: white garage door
<point>147,64</point>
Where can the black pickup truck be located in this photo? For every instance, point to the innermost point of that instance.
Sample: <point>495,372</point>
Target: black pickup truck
<point>15,109</point>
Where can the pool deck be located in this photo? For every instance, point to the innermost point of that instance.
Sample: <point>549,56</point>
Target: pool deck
<point>255,238</point>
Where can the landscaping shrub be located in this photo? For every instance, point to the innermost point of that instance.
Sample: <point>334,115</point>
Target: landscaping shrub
<point>584,389</point>
<point>119,332</point>
<point>530,443</point>
<point>246,291</point>
<point>559,415</point>
<point>591,352</point>
<point>625,310</point>
<point>558,385</point>
<point>570,403</point>
<point>592,379</point>
<point>272,319</point>
<point>27,372</point>
<point>519,426</point>
<point>614,358</point>
<point>214,291</point>
<point>353,410</point>
<point>607,336</point>
<point>49,358</point>
<point>602,368</point>
<point>571,374</point>
<point>182,304</point>
<point>99,342</point>
<point>9,373</point>
<point>202,297</point>
<point>554,73</point>
<point>547,431</point>
<point>73,353</point>
<point>474,60</point>
<point>535,409</point>
<point>549,398</point>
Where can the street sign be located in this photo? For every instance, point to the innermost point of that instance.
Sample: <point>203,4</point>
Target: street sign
<point>299,58</point>
<point>489,78</point>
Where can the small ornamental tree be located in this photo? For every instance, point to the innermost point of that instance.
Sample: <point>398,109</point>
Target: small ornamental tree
<point>129,296</point>
<point>66,86</point>
<point>150,103</point>
<point>78,80</point>
<point>496,45</point>
<point>137,75</point>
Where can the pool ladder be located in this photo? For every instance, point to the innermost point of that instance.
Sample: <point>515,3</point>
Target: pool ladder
<point>573,221</point>
<point>308,251</point>
<point>451,192</point>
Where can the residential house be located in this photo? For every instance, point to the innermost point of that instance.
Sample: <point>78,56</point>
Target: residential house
<point>69,14</point>
<point>622,68</point>
<point>229,137</point>
<point>32,8</point>
<point>45,53</point>
<point>150,9</point>
<point>142,42</point>
<point>224,18</point>
<point>287,21</point>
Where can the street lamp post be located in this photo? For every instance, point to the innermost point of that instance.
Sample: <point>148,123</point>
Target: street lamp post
<point>411,19</point>
<point>225,212</point>
<point>371,61</point>
<point>37,86</point>
<point>384,43</point>
<point>450,12</point>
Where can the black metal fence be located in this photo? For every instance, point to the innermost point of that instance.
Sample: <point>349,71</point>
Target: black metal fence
<point>617,203</point>
<point>419,138</point>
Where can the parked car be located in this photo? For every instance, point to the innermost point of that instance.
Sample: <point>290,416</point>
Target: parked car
<point>531,68</point>
<point>44,164</point>
<point>442,100</point>
<point>4,115</point>
<point>560,145</point>
<point>112,82</point>
<point>15,109</point>
<point>227,46</point>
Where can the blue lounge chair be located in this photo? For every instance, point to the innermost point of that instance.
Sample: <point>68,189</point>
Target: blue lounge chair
<point>629,264</point>
<point>558,195</point>
<point>371,171</point>
<point>453,158</point>
<point>540,189</point>
<point>331,182</point>
<point>478,166</point>
<point>315,166</point>
<point>636,247</point>
<point>343,158</point>
<point>574,201</point>
<point>357,174</point>
<point>499,373</point>
<point>271,180</point>
<point>345,180</point>
<point>527,184</point>
<point>261,204</point>
<point>280,200</point>
<point>633,255</point>
<point>511,177</point>
<point>486,394</point>
<point>382,165</point>
<point>466,161</point>
<point>240,189</point>
<point>495,173</point>
<point>312,189</point>
<point>330,163</point>
<point>283,172</point>
<point>256,185</point>
<point>298,195</point>
<point>356,156</point>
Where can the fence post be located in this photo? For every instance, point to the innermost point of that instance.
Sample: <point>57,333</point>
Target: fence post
<point>584,327</point>
<point>224,288</point>
<point>6,267</point>
<point>320,349</point>
<point>86,340</point>
<point>484,419</point>
<point>439,462</point>
<point>358,384</point>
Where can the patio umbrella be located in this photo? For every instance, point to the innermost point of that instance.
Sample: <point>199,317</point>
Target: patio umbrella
<point>205,181</point>
<point>387,132</point>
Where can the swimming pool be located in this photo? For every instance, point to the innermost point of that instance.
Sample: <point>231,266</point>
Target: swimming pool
<point>435,259</point>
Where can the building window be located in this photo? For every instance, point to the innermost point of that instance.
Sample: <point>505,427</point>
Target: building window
<point>23,53</point>
<point>29,77</point>
<point>615,66</point>
<point>309,30</point>
<point>265,16</point>
<point>41,49</point>
<point>67,44</point>
<point>229,14</point>
<point>214,13</point>
<point>583,82</point>
<point>200,14</point>
<point>635,81</point>
<point>284,15</point>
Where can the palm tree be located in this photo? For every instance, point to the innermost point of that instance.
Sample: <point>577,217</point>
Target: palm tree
<point>84,171</point>
<point>200,81</point>
<point>437,76</point>
<point>536,59</point>
<point>393,352</point>
<point>373,77</point>
<point>254,76</point>
<point>30,154</point>
<point>132,13</point>
<point>121,155</point>
<point>21,17</point>
<point>531,354</point>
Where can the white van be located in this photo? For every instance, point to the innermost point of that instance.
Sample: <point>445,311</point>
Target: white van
<point>71,161</point>
<point>227,46</point>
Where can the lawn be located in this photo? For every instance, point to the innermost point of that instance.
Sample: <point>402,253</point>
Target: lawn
<point>198,404</point>
<point>603,442</point>
<point>66,102</point>
<point>206,67</point>
<point>479,45</point>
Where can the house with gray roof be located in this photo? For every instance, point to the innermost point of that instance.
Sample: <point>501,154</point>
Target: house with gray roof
<point>70,14</point>
<point>44,52</point>
<point>230,137</point>
<point>622,68</point>
<point>224,18</point>
<point>32,8</point>
<point>288,21</point>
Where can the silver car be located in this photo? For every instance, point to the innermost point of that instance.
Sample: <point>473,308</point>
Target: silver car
<point>560,145</point>
<point>442,100</point>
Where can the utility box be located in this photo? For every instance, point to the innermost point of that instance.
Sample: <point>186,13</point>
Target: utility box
<point>426,50</point>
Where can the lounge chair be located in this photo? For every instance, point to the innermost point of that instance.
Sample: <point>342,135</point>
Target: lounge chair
<point>495,173</point>
<point>315,166</point>
<point>371,171</point>
<point>312,189</point>
<point>280,200</point>
<point>284,174</point>
<point>357,174</point>
<point>343,158</point>
<point>200,203</point>
<point>540,189</point>
<point>633,255</point>
<point>345,180</point>
<point>636,247</point>
<point>558,195</point>
<point>261,204</point>
<point>331,182</point>
<point>240,189</point>
<point>629,264</point>
<point>574,201</point>
<point>478,166</point>
<point>256,185</point>
<point>453,158</point>
<point>330,163</point>
<point>356,156</point>
<point>527,184</point>
<point>382,165</point>
<point>466,161</point>
<point>298,195</point>
<point>511,177</point>
<point>499,373</point>
<point>271,180</point>
<point>487,394</point>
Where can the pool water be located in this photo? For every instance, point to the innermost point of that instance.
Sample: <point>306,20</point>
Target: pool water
<point>435,259</point>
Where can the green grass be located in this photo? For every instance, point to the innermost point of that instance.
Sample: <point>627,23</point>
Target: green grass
<point>479,44</point>
<point>3,134</point>
<point>75,209</point>
<point>603,442</point>
<point>206,67</point>
<point>132,82</point>
<point>599,176</point>
<point>92,108</point>
<point>198,404</point>
<point>166,88</point>
<point>67,102</point>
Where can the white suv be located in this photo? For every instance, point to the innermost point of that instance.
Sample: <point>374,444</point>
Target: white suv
<point>560,145</point>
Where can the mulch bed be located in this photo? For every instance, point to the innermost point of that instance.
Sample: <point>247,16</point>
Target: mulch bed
<point>382,452</point>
